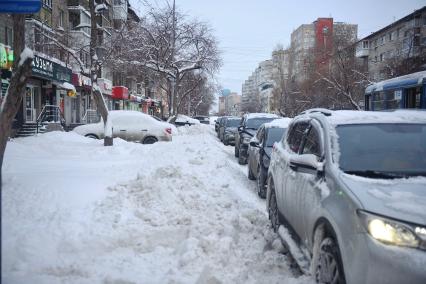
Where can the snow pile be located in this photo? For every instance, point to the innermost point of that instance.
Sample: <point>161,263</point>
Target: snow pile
<point>176,212</point>
<point>281,122</point>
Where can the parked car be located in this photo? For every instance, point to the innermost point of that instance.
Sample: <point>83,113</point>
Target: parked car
<point>351,188</point>
<point>202,119</point>
<point>130,126</point>
<point>228,130</point>
<point>217,123</point>
<point>260,149</point>
<point>182,120</point>
<point>248,127</point>
<point>221,124</point>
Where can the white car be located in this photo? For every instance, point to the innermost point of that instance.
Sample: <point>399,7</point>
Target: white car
<point>130,126</point>
<point>182,120</point>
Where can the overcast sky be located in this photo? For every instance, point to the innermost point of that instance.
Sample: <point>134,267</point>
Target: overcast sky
<point>248,30</point>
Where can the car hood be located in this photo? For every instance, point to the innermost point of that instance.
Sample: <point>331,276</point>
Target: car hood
<point>231,129</point>
<point>401,199</point>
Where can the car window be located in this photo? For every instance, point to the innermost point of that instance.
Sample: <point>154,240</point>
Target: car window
<point>232,122</point>
<point>312,143</point>
<point>274,135</point>
<point>294,139</point>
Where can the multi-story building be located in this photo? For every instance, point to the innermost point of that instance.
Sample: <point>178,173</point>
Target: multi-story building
<point>280,76</point>
<point>402,39</point>
<point>312,45</point>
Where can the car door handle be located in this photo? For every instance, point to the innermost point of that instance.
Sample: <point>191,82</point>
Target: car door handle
<point>293,166</point>
<point>144,130</point>
<point>123,130</point>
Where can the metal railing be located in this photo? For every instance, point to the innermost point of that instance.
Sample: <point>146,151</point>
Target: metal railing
<point>50,113</point>
<point>91,116</point>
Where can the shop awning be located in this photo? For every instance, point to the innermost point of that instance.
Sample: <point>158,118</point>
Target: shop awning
<point>120,93</point>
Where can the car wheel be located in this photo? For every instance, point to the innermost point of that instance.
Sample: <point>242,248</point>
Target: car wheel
<point>250,174</point>
<point>225,142</point>
<point>149,140</point>
<point>273,210</point>
<point>329,267</point>
<point>236,151</point>
<point>260,183</point>
<point>93,136</point>
<point>241,159</point>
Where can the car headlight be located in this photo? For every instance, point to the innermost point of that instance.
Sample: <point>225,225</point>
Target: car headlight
<point>265,160</point>
<point>393,232</point>
<point>246,139</point>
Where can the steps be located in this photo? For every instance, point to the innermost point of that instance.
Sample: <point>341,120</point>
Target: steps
<point>29,129</point>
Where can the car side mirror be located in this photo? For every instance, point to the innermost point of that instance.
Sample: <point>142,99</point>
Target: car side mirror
<point>254,144</point>
<point>307,163</point>
<point>240,128</point>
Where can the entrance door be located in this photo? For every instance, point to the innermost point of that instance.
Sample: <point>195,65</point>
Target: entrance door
<point>29,105</point>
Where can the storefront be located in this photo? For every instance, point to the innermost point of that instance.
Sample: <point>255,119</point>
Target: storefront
<point>120,98</point>
<point>49,85</point>
<point>6,61</point>
<point>83,85</point>
<point>152,107</point>
<point>135,103</point>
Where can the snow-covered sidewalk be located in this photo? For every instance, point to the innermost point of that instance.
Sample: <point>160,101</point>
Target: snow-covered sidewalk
<point>180,212</point>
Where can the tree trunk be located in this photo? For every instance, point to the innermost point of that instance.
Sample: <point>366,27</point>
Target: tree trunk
<point>95,66</point>
<point>16,90</point>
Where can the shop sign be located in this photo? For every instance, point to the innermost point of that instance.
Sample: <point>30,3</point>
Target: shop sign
<point>42,67</point>
<point>105,85</point>
<point>47,69</point>
<point>20,7</point>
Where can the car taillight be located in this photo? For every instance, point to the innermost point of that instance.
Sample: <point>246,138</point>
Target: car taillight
<point>169,130</point>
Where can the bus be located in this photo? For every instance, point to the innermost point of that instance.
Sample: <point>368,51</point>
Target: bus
<point>408,91</point>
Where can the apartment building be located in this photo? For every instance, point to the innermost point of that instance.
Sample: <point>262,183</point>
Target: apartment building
<point>398,41</point>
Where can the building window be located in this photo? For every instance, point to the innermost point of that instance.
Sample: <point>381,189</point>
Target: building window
<point>8,36</point>
<point>117,2</point>
<point>406,33</point>
<point>424,41</point>
<point>61,18</point>
<point>382,57</point>
<point>382,40</point>
<point>391,36</point>
<point>365,44</point>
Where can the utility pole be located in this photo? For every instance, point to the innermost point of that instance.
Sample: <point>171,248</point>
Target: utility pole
<point>172,58</point>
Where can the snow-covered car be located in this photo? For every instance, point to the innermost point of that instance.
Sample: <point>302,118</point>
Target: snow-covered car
<point>248,127</point>
<point>351,188</point>
<point>130,126</point>
<point>228,130</point>
<point>260,149</point>
<point>182,120</point>
<point>202,119</point>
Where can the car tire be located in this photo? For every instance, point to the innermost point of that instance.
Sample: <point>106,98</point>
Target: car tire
<point>328,268</point>
<point>150,140</point>
<point>225,142</point>
<point>260,182</point>
<point>241,159</point>
<point>236,151</point>
<point>93,136</point>
<point>273,210</point>
<point>250,174</point>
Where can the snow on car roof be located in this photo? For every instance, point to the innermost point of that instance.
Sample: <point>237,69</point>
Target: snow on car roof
<point>126,113</point>
<point>261,115</point>
<point>397,116</point>
<point>282,123</point>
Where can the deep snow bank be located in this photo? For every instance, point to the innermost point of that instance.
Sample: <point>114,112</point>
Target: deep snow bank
<point>179,212</point>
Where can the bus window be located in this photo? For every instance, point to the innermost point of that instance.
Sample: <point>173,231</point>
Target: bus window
<point>412,98</point>
<point>378,101</point>
<point>393,99</point>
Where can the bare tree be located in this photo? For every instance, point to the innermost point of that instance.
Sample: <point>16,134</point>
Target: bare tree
<point>169,43</point>
<point>16,91</point>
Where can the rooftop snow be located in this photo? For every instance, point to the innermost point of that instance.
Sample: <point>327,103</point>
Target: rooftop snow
<point>397,116</point>
<point>282,122</point>
<point>259,115</point>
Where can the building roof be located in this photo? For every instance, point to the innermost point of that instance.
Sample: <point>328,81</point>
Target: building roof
<point>421,10</point>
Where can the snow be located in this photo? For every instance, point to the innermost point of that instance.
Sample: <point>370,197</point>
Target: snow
<point>282,123</point>
<point>25,54</point>
<point>75,211</point>
<point>68,86</point>
<point>398,116</point>
<point>100,8</point>
<point>261,115</point>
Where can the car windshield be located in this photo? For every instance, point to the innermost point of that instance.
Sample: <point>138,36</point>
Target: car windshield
<point>388,150</point>
<point>273,135</point>
<point>255,123</point>
<point>232,122</point>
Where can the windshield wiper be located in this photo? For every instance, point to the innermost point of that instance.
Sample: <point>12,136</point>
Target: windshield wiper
<point>376,174</point>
